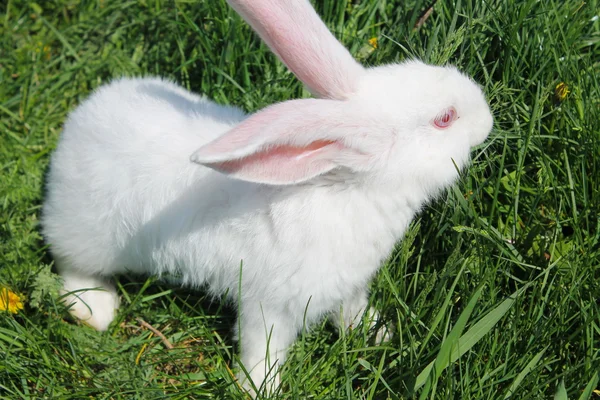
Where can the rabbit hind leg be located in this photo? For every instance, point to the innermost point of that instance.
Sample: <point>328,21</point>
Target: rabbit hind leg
<point>92,299</point>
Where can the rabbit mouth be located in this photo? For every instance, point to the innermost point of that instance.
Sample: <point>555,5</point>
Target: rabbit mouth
<point>477,140</point>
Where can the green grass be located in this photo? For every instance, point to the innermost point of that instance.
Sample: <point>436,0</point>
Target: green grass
<point>495,289</point>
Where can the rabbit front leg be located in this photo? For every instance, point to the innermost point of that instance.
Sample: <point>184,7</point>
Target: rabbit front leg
<point>265,336</point>
<point>352,309</point>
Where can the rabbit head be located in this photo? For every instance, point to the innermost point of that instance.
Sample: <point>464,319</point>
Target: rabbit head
<point>388,125</point>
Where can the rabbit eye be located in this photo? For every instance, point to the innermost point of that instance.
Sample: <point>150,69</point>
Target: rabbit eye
<point>445,118</point>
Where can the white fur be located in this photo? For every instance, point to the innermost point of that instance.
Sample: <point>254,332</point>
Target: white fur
<point>123,195</point>
<point>93,300</point>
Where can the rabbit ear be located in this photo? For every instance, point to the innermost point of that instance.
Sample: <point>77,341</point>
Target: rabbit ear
<point>290,142</point>
<point>297,35</point>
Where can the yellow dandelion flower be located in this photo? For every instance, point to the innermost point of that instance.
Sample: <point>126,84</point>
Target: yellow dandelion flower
<point>561,91</point>
<point>373,42</point>
<point>10,301</point>
<point>47,53</point>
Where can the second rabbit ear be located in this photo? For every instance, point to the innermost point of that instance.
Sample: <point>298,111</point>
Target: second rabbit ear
<point>291,142</point>
<point>296,34</point>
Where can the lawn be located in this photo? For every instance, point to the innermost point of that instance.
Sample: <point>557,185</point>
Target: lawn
<point>495,290</point>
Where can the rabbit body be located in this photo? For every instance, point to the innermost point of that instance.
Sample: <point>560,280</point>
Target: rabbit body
<point>123,196</point>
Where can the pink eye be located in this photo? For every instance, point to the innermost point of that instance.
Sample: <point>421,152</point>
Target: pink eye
<point>445,118</point>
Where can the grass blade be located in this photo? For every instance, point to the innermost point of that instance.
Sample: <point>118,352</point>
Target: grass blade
<point>528,368</point>
<point>473,335</point>
<point>561,392</point>
<point>589,389</point>
<point>444,357</point>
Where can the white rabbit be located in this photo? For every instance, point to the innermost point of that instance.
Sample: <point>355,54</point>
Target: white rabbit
<point>305,197</point>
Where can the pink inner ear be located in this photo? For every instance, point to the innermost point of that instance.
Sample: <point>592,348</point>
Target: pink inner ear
<point>283,164</point>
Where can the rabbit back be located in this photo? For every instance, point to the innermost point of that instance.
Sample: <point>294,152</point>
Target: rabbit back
<point>123,155</point>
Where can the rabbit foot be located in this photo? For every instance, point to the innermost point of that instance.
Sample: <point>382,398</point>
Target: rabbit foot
<point>92,300</point>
